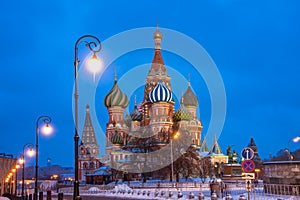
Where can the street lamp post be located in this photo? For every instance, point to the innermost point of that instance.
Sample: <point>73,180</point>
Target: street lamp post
<point>171,142</point>
<point>47,120</point>
<point>30,146</point>
<point>94,46</point>
<point>172,167</point>
<point>14,190</point>
<point>11,183</point>
<point>16,180</point>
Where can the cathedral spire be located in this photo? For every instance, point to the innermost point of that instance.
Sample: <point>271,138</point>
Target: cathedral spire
<point>204,147</point>
<point>216,147</point>
<point>157,36</point>
<point>115,74</point>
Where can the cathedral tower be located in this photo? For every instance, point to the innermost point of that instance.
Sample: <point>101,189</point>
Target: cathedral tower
<point>160,117</point>
<point>190,101</point>
<point>156,74</point>
<point>115,101</point>
<point>89,149</point>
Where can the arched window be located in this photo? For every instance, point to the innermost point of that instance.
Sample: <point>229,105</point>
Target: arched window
<point>85,165</point>
<point>92,165</point>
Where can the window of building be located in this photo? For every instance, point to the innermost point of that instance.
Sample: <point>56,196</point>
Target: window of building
<point>92,166</point>
<point>85,165</point>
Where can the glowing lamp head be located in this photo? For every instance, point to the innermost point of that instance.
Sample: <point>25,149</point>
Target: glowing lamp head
<point>176,135</point>
<point>17,166</point>
<point>30,153</point>
<point>21,161</point>
<point>296,139</point>
<point>47,130</point>
<point>94,64</point>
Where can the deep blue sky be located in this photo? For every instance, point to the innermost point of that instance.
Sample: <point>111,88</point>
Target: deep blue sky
<point>255,45</point>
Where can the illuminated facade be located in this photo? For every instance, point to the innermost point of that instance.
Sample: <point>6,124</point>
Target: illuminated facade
<point>7,173</point>
<point>155,116</point>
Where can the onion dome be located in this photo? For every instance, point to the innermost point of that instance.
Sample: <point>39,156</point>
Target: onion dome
<point>160,93</point>
<point>182,114</point>
<point>136,115</point>
<point>189,98</point>
<point>116,97</point>
<point>116,138</point>
<point>157,34</point>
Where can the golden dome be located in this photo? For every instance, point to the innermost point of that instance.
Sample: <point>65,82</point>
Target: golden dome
<point>157,34</point>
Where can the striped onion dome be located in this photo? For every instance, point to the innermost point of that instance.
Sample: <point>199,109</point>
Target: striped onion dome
<point>136,115</point>
<point>160,93</point>
<point>182,114</point>
<point>116,97</point>
<point>116,138</point>
<point>189,98</point>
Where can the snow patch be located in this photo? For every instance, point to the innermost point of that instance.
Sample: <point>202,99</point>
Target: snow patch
<point>122,188</point>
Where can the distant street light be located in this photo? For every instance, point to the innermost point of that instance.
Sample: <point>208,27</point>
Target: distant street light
<point>30,153</point>
<point>257,170</point>
<point>295,139</point>
<point>47,129</point>
<point>93,66</point>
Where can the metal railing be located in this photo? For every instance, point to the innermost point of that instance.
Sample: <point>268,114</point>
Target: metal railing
<point>258,191</point>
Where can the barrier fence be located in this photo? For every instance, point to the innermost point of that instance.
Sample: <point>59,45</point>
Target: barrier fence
<point>235,190</point>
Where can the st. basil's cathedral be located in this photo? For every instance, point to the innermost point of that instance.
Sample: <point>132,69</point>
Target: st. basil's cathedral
<point>149,127</point>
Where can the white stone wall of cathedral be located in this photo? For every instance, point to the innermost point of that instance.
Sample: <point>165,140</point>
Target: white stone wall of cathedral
<point>157,43</point>
<point>195,128</point>
<point>116,114</point>
<point>159,125</point>
<point>183,125</point>
<point>86,167</point>
<point>192,110</point>
<point>160,111</point>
